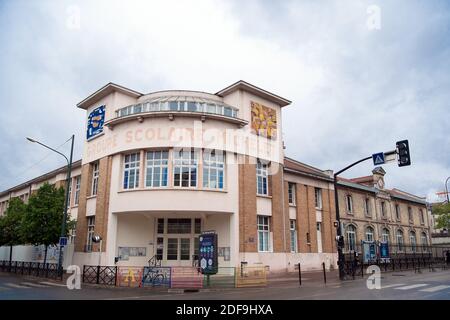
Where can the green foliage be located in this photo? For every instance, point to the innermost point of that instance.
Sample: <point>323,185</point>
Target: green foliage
<point>42,222</point>
<point>11,223</point>
<point>442,212</point>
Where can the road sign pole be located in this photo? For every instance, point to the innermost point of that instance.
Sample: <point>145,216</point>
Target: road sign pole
<point>338,217</point>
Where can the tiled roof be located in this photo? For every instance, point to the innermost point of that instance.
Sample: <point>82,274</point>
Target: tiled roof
<point>299,167</point>
<point>41,178</point>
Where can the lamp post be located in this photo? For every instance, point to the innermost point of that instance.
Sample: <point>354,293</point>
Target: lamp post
<point>66,200</point>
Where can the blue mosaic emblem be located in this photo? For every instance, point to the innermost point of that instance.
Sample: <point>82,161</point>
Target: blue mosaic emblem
<point>95,122</point>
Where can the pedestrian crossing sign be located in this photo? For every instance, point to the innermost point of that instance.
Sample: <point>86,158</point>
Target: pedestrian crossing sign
<point>378,158</point>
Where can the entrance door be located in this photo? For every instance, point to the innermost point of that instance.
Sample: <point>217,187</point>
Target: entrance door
<point>319,237</point>
<point>177,240</point>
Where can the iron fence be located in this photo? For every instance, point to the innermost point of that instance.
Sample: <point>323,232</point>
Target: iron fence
<point>394,257</point>
<point>106,275</point>
<point>36,269</point>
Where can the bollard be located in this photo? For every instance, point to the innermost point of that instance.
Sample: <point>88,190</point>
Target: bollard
<point>324,273</point>
<point>299,274</point>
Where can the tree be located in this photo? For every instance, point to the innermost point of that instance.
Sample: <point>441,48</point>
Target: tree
<point>42,222</point>
<point>442,212</point>
<point>11,225</point>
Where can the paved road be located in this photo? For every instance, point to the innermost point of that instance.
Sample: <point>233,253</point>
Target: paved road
<point>394,286</point>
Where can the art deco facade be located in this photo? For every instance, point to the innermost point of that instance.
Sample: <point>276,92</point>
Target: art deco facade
<point>160,168</point>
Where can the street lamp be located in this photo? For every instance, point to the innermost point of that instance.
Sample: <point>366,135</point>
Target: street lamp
<point>66,201</point>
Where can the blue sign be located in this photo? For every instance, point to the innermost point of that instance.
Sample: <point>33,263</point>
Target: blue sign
<point>95,122</point>
<point>369,251</point>
<point>63,241</point>
<point>207,259</point>
<point>384,250</point>
<point>378,158</point>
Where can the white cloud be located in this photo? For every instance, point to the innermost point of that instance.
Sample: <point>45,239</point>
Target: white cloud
<point>354,91</point>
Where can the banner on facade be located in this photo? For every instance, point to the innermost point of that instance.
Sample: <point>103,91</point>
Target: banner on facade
<point>369,251</point>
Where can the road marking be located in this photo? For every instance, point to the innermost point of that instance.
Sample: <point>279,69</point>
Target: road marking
<point>392,285</point>
<point>34,285</point>
<point>412,286</point>
<point>53,284</point>
<point>18,286</point>
<point>434,289</point>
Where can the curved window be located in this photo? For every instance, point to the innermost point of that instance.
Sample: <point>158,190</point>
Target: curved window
<point>179,104</point>
<point>369,234</point>
<point>385,235</point>
<point>400,240</point>
<point>351,237</point>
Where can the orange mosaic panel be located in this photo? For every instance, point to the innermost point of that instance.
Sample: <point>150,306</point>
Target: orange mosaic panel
<point>264,121</point>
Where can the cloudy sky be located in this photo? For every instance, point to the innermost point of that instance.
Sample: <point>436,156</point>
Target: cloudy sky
<point>361,74</point>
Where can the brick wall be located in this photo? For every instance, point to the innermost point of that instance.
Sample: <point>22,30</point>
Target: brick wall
<point>81,232</point>
<point>247,206</point>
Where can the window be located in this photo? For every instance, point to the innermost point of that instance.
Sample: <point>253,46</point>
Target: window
<point>400,240</point>
<point>318,197</point>
<point>77,190</point>
<point>351,237</point>
<point>185,249</point>
<point>383,209</point>
<point>291,193</point>
<point>397,212</point>
<point>385,235</point>
<point>192,106</point>
<point>367,206</point>
<point>262,178</point>
<point>213,169</point>
<point>178,225</point>
<point>160,226</point>
<point>131,171</point>
<point>156,169</point>
<point>308,238</point>
<point>159,248</point>
<point>95,173</point>
<point>349,202</point>
<point>410,215</point>
<point>293,230</point>
<point>173,105</point>
<point>185,169</point>
<point>424,239</point>
<point>90,232</point>
<point>422,217</point>
<point>198,226</point>
<point>172,249</point>
<point>263,234</point>
<point>369,234</point>
<point>412,241</point>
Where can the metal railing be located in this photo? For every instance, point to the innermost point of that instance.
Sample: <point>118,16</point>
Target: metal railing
<point>36,269</point>
<point>106,275</point>
<point>400,257</point>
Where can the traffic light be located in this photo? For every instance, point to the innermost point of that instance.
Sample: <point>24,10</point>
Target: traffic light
<point>404,158</point>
